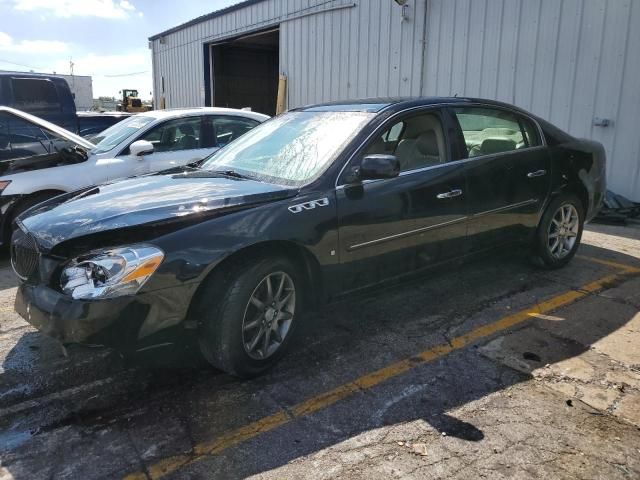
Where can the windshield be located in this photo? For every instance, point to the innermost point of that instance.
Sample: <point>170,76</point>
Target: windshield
<point>115,134</point>
<point>292,149</point>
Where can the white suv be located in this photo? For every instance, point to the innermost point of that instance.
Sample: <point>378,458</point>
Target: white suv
<point>39,160</point>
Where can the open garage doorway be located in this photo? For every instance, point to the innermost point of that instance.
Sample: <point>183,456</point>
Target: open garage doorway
<point>243,72</point>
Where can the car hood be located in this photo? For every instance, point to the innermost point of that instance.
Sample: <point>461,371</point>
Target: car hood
<point>188,195</point>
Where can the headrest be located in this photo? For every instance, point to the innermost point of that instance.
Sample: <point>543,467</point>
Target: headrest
<point>499,131</point>
<point>186,129</point>
<point>427,144</point>
<point>497,145</point>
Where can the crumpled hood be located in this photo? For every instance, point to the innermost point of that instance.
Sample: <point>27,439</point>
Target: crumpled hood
<point>151,199</point>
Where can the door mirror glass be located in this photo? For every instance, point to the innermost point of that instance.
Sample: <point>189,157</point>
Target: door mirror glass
<point>378,166</point>
<point>141,147</point>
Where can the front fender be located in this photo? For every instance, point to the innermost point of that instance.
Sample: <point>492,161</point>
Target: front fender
<point>193,252</point>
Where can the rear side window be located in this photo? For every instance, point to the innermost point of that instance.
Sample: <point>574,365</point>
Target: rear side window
<point>34,94</point>
<point>490,131</point>
<point>227,129</point>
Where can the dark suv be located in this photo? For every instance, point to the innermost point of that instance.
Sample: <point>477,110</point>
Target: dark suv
<point>309,206</point>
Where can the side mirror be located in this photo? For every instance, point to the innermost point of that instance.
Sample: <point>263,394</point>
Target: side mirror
<point>378,166</point>
<point>140,148</point>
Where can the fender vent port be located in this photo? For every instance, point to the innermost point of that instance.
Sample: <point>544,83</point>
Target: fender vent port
<point>24,254</point>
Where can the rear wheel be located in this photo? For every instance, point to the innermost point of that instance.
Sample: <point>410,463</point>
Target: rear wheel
<point>559,232</point>
<point>247,314</point>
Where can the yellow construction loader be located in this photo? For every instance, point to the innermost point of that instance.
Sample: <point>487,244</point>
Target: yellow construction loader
<point>131,103</point>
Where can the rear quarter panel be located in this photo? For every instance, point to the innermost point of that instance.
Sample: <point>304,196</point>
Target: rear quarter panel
<point>579,166</point>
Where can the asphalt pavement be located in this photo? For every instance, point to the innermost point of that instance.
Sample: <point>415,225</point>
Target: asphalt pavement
<point>493,369</point>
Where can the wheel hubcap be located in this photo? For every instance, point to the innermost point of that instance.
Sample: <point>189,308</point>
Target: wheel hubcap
<point>268,315</point>
<point>563,231</point>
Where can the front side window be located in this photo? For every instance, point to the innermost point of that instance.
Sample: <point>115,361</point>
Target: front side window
<point>118,133</point>
<point>20,138</point>
<point>490,131</point>
<point>5,146</point>
<point>417,142</point>
<point>291,149</point>
<point>175,135</point>
<point>27,139</point>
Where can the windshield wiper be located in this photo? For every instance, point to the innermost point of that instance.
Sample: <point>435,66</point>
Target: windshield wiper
<point>231,173</point>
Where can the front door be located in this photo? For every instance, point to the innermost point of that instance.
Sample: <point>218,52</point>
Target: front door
<point>178,142</point>
<point>508,174</point>
<point>392,227</point>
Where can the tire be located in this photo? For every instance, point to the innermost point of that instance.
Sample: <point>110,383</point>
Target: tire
<point>21,207</point>
<point>227,310</point>
<point>548,253</point>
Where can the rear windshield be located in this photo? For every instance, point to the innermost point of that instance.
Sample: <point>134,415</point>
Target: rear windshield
<point>35,95</point>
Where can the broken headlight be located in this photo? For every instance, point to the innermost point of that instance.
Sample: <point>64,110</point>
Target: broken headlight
<point>112,273</point>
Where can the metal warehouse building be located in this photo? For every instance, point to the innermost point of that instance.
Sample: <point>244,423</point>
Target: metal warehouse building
<point>574,62</point>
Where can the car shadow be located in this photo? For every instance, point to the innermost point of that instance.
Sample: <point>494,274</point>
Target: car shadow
<point>337,345</point>
<point>429,392</point>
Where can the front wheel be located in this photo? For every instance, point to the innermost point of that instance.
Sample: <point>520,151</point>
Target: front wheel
<point>21,207</point>
<point>559,232</point>
<point>248,313</point>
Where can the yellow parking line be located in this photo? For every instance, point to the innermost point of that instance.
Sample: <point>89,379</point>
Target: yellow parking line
<point>609,263</point>
<point>326,399</point>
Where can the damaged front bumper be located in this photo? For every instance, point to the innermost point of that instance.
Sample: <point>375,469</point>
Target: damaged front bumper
<point>125,323</point>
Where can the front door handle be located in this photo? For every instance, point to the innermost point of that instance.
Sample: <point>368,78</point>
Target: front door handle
<point>453,193</point>
<point>537,173</point>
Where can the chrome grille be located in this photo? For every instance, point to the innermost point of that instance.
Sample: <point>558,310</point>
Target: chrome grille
<point>24,254</point>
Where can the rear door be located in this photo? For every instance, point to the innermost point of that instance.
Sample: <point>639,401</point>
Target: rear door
<point>508,173</point>
<point>394,226</point>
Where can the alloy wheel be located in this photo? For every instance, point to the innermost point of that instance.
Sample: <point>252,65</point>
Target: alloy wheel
<point>268,315</point>
<point>563,231</point>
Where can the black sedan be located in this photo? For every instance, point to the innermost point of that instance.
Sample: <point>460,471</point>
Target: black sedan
<point>308,207</point>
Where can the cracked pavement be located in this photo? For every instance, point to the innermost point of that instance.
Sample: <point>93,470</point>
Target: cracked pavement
<point>556,395</point>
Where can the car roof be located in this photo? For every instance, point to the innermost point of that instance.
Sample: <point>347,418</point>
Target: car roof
<point>378,105</point>
<point>179,112</point>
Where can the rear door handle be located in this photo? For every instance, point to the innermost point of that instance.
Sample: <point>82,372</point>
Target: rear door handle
<point>453,193</point>
<point>537,173</point>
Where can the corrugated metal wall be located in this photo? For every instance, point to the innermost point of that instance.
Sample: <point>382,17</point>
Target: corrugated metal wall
<point>363,51</point>
<point>568,61</point>
<point>565,60</point>
<point>320,50</point>
<point>180,58</point>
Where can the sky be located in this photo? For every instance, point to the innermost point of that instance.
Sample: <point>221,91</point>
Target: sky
<point>107,39</point>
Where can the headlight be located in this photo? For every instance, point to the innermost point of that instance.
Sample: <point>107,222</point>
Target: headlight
<point>112,273</point>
